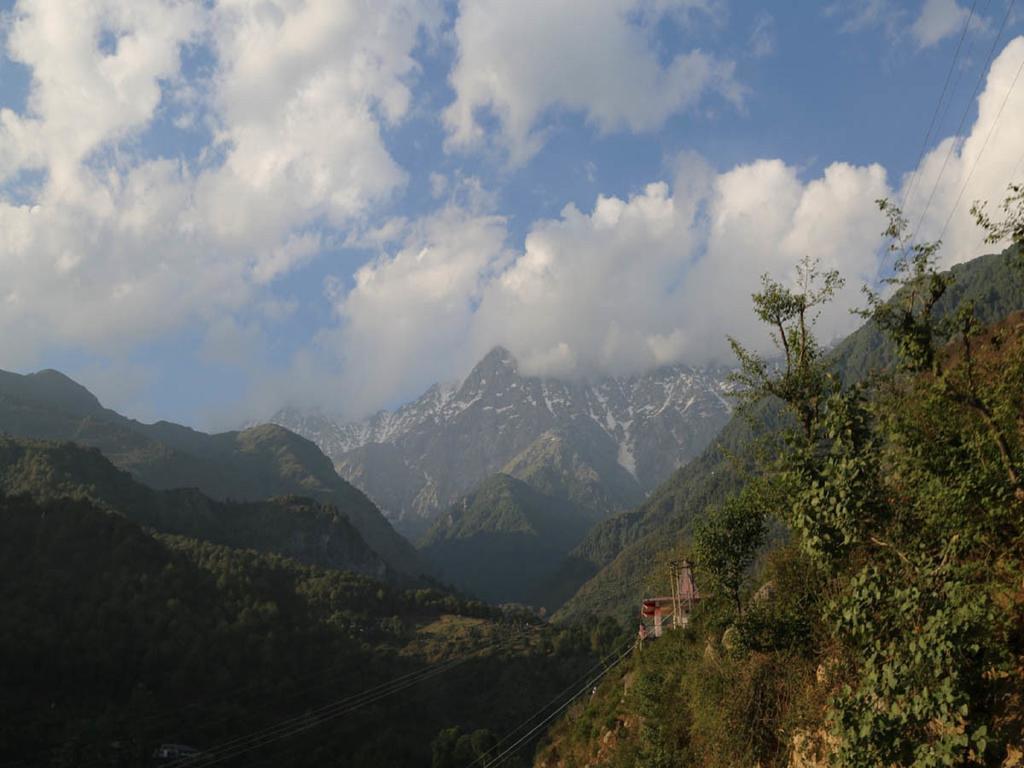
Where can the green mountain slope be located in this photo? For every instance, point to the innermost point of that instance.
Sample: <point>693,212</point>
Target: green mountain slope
<point>51,388</point>
<point>294,526</point>
<point>605,573</point>
<point>250,465</point>
<point>991,282</point>
<point>500,540</point>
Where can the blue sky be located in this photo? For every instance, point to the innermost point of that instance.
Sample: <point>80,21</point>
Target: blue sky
<point>214,209</point>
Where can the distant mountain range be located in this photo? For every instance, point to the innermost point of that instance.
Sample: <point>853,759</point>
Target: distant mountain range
<point>602,445</point>
<point>517,488</point>
<point>253,465</point>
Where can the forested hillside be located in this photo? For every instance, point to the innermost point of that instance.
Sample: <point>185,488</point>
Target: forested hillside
<point>114,642</point>
<point>297,527</point>
<point>500,541</point>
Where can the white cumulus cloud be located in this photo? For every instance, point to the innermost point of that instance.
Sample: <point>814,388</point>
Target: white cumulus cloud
<point>523,60</point>
<point>938,20</point>
<point>658,277</point>
<point>106,244</point>
<point>977,168</point>
<point>97,74</point>
<point>405,319</point>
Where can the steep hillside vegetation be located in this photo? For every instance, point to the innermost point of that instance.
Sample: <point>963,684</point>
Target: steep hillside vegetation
<point>254,464</point>
<point>889,630</point>
<point>609,566</point>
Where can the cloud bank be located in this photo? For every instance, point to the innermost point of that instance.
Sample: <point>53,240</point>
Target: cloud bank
<point>631,283</point>
<point>667,273</point>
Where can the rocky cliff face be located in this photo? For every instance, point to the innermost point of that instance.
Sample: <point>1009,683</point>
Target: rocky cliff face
<point>620,437</point>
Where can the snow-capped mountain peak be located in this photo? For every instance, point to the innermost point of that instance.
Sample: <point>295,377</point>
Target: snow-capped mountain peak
<point>414,460</point>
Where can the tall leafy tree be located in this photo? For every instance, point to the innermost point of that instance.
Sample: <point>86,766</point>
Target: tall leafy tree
<point>907,318</point>
<point>1011,225</point>
<point>790,314</point>
<point>726,541</point>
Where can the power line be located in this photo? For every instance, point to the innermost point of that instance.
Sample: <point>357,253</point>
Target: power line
<point>324,677</point>
<point>960,71</point>
<point>938,106</point>
<point>977,157</point>
<point>305,722</point>
<point>559,695</point>
<point>296,724</point>
<point>590,683</point>
<point>301,723</point>
<point>1017,167</point>
<point>963,120</point>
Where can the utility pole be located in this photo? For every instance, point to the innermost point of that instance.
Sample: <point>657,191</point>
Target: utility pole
<point>676,606</point>
<point>691,586</point>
